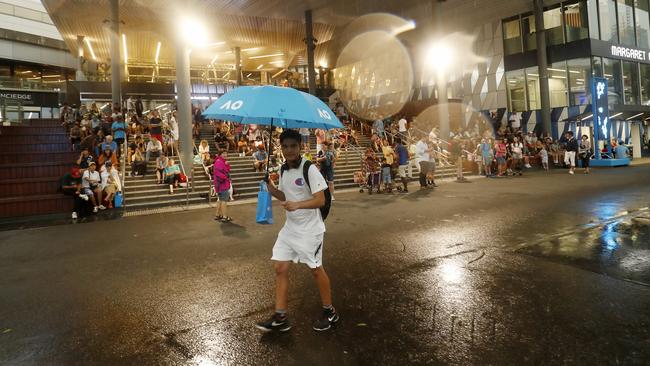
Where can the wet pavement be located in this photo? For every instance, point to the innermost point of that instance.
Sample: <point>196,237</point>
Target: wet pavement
<point>546,269</point>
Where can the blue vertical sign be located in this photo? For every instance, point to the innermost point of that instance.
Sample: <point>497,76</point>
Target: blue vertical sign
<point>601,112</point>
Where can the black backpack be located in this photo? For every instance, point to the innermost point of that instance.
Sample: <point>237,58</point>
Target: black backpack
<point>325,209</point>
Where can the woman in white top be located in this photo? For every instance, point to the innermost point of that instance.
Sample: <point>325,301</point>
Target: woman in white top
<point>204,150</point>
<point>110,183</point>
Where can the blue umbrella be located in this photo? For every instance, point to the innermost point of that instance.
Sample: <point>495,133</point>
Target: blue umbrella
<point>273,106</point>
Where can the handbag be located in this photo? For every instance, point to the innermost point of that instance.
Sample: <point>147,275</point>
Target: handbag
<point>119,199</point>
<point>264,214</point>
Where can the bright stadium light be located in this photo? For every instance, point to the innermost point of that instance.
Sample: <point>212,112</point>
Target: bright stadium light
<point>193,32</point>
<point>439,57</point>
<point>157,52</point>
<point>90,48</point>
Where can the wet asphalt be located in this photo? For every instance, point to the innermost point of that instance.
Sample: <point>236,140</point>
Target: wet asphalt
<point>544,269</point>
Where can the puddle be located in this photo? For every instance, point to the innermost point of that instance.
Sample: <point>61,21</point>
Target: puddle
<point>619,249</point>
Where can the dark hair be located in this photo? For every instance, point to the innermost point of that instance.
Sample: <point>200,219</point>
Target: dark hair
<point>220,152</point>
<point>570,133</point>
<point>290,134</point>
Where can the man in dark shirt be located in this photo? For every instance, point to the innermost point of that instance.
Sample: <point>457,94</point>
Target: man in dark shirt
<point>571,152</point>
<point>155,127</point>
<point>70,186</point>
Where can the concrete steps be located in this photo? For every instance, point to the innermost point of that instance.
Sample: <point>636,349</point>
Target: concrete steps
<point>144,193</point>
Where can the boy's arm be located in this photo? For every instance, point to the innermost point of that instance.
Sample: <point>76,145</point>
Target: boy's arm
<point>275,192</point>
<point>317,201</point>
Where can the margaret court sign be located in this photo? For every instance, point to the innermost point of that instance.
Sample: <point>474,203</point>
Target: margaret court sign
<point>619,52</point>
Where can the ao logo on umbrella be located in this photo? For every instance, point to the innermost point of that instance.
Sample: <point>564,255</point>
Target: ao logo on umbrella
<point>324,114</point>
<point>232,105</point>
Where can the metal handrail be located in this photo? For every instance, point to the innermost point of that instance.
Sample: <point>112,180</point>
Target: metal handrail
<point>207,174</point>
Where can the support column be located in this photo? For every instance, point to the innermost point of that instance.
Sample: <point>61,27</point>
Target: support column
<point>635,135</point>
<point>238,65</point>
<point>542,66</point>
<point>114,44</point>
<point>309,39</point>
<point>441,80</point>
<point>184,105</point>
<point>321,77</point>
<point>79,75</point>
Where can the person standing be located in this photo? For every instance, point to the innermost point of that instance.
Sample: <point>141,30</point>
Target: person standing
<point>155,126</point>
<point>422,156</point>
<point>403,163</point>
<point>304,135</point>
<point>585,153</point>
<point>378,126</point>
<point>139,107</point>
<point>402,128</point>
<point>320,139</point>
<point>487,156</point>
<point>517,148</point>
<point>222,183</point>
<point>386,168</point>
<point>327,165</point>
<point>500,151</point>
<point>118,129</point>
<point>571,152</point>
<point>301,237</point>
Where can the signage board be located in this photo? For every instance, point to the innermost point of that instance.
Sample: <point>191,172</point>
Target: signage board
<point>620,52</point>
<point>600,111</point>
<point>29,98</point>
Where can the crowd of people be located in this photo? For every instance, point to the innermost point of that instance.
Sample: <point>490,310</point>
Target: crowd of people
<point>396,149</point>
<point>99,135</point>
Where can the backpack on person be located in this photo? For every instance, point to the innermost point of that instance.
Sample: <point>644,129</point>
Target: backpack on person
<point>325,209</point>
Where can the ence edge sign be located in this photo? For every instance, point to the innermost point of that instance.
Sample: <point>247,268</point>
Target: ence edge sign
<point>43,99</point>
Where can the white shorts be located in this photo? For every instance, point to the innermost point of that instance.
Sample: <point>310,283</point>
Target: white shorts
<point>303,248</point>
<point>570,158</point>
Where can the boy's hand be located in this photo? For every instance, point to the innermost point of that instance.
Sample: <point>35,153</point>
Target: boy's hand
<point>290,206</point>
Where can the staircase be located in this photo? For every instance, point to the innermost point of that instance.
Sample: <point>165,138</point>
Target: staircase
<point>144,193</point>
<point>33,157</point>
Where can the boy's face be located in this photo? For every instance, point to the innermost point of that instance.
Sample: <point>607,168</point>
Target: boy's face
<point>291,149</point>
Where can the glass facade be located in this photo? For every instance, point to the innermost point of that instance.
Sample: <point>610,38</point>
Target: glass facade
<point>626,22</point>
<point>607,18</point>
<point>631,82</point>
<point>557,84</point>
<point>553,26</point>
<point>576,20</point>
<point>532,87</point>
<point>579,81</point>
<point>528,32</point>
<point>516,90</point>
<point>512,37</point>
<point>645,84</point>
<point>612,72</point>
<point>642,23</point>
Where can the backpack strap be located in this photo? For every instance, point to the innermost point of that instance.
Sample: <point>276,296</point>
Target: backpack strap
<point>305,173</point>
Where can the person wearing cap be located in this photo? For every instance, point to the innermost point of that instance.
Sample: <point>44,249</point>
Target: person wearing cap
<point>70,186</point>
<point>90,184</point>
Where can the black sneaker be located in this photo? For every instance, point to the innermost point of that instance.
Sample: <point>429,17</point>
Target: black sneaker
<point>329,317</point>
<point>274,323</point>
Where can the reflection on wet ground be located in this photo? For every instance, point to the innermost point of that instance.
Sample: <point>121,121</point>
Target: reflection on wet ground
<point>619,246</point>
<point>543,270</point>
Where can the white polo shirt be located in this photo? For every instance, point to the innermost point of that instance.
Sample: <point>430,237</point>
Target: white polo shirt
<point>295,189</point>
